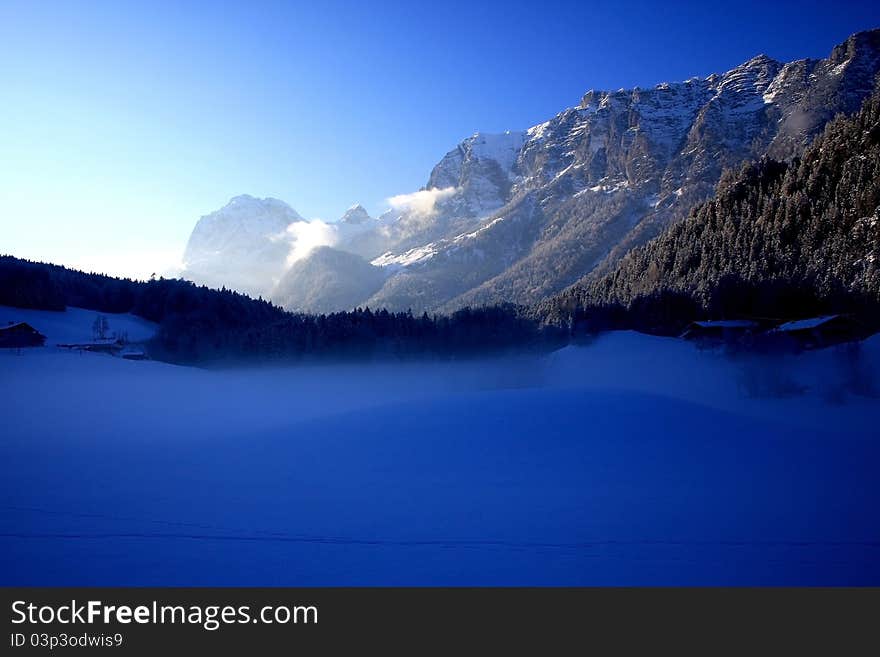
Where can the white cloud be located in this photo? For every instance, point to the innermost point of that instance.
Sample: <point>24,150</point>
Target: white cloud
<point>306,236</point>
<point>423,202</point>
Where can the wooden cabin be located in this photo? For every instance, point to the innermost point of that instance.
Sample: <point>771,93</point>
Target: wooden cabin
<point>20,334</point>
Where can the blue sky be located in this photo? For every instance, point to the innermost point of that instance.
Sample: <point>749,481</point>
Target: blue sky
<point>123,122</point>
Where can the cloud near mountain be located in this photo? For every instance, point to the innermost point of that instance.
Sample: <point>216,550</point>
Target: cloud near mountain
<point>307,236</point>
<point>423,202</point>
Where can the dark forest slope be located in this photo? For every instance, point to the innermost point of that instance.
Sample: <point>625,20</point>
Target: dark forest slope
<point>198,324</point>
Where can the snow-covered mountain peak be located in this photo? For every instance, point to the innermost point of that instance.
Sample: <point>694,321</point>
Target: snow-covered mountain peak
<point>229,241</point>
<point>355,215</point>
<point>253,213</point>
<point>754,76</point>
<point>250,215</point>
<point>500,147</point>
<point>760,60</point>
<point>482,170</point>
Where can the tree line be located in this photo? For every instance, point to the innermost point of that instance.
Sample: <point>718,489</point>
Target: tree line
<point>199,324</point>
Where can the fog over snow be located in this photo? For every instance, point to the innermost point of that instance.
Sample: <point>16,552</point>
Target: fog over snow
<point>629,460</point>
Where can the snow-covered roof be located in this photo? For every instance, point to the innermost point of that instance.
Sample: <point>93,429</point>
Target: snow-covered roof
<point>14,325</point>
<point>726,323</point>
<point>804,324</point>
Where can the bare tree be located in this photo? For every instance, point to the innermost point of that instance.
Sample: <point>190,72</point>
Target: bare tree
<point>100,327</point>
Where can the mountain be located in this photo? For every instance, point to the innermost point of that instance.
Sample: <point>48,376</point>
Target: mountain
<point>356,215</point>
<point>243,246</point>
<point>336,273</point>
<point>609,174</point>
<point>327,280</point>
<point>780,238</point>
<point>482,170</point>
<point>519,216</point>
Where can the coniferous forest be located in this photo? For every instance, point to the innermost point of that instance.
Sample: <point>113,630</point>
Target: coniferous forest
<point>199,324</point>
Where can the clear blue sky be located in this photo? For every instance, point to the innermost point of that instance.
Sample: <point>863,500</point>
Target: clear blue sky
<point>122,122</point>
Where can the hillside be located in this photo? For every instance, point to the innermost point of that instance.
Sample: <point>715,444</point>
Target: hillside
<point>328,279</point>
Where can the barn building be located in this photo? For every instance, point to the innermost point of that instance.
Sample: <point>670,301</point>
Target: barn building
<point>20,334</point>
<point>822,331</point>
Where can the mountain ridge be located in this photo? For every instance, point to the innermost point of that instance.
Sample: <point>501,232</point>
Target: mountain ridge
<point>519,216</point>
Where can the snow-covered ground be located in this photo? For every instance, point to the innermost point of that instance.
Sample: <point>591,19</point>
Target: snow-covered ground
<point>632,460</point>
<point>75,324</point>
